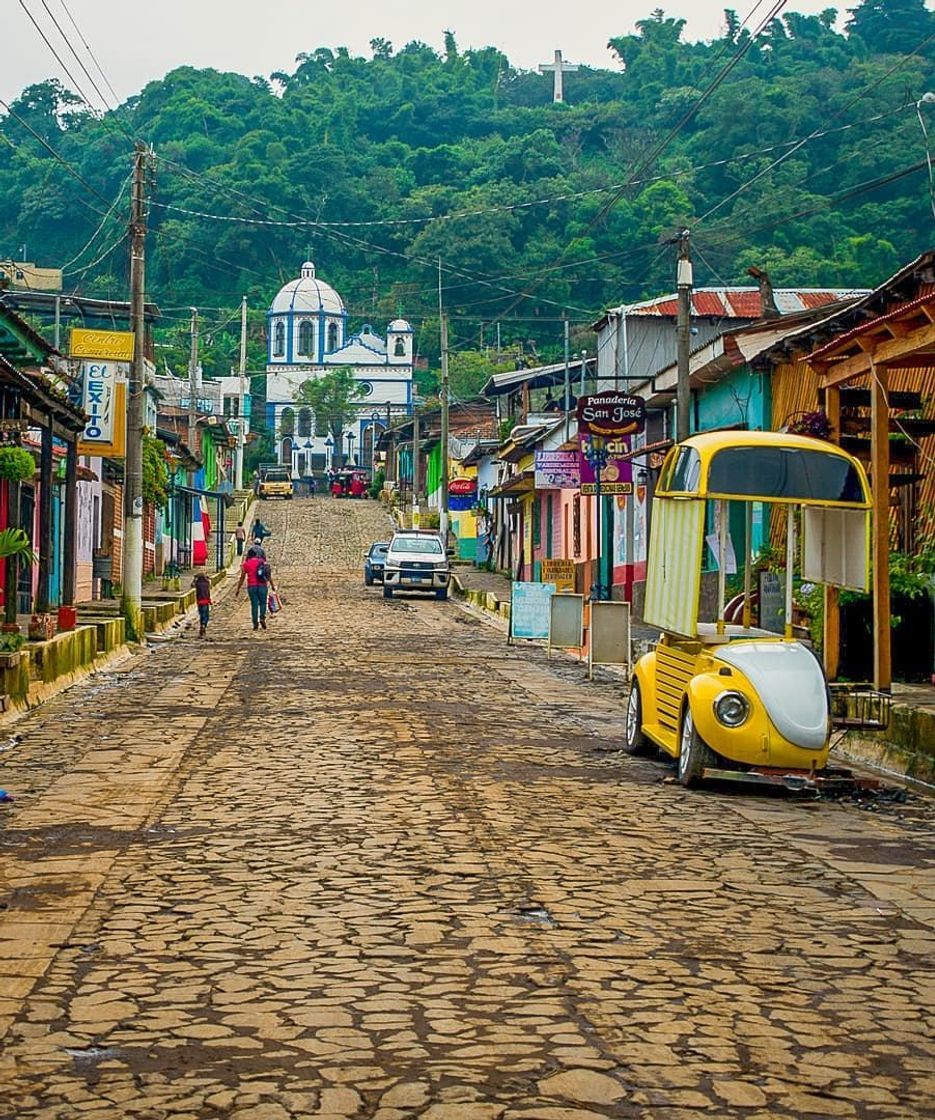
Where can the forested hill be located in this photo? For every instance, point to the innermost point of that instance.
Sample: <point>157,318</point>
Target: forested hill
<point>800,150</point>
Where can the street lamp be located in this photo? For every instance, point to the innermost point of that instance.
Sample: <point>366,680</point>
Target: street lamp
<point>350,446</point>
<point>595,452</point>
<point>329,451</point>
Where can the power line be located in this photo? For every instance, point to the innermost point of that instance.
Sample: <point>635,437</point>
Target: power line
<point>87,47</point>
<point>75,55</point>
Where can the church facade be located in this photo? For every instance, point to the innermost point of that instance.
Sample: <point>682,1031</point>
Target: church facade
<point>307,331</point>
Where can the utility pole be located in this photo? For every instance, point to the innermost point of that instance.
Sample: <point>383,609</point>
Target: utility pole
<point>683,386</point>
<point>133,468</point>
<point>242,428</point>
<point>416,449</point>
<point>443,327</point>
<point>193,388</point>
<point>567,383</point>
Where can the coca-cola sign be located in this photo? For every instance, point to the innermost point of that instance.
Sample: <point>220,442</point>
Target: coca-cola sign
<point>462,486</point>
<point>611,414</point>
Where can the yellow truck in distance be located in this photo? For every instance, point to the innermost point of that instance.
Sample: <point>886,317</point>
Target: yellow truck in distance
<point>274,483</point>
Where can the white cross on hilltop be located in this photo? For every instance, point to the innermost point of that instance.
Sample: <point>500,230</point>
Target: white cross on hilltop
<point>557,68</point>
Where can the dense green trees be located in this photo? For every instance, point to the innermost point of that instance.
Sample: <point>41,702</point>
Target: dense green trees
<point>784,150</point>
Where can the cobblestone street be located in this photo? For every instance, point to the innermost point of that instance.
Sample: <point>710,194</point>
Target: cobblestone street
<point>376,863</point>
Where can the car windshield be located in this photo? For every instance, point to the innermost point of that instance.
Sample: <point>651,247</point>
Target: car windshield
<point>428,545</point>
<point>378,551</point>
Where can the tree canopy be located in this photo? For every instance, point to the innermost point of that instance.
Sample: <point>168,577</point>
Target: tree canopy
<point>799,149</point>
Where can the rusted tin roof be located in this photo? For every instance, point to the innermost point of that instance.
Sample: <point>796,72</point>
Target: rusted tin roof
<point>741,303</point>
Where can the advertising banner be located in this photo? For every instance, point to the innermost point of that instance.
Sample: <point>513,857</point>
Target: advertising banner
<point>557,470</point>
<point>104,399</point>
<point>617,475</point>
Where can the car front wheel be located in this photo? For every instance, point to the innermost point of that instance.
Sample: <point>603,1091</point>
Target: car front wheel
<point>694,753</point>
<point>387,592</point>
<point>368,579</point>
<point>636,742</point>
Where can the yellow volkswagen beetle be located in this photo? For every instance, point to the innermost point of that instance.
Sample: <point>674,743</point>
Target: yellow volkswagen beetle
<point>723,695</point>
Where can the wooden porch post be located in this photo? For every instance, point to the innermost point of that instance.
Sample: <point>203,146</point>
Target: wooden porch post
<point>45,519</point>
<point>11,578</point>
<point>880,475</point>
<point>69,550</point>
<point>831,642</point>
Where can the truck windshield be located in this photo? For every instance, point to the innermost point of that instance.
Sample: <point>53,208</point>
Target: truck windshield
<point>427,545</point>
<point>276,476</point>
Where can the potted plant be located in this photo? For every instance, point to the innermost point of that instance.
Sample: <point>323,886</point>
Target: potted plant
<point>815,424</point>
<point>16,464</point>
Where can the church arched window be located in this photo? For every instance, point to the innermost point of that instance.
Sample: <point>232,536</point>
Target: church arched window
<point>332,336</point>
<point>305,337</point>
<point>287,422</point>
<point>279,340</point>
<point>321,424</point>
<point>305,423</point>
<point>400,349</point>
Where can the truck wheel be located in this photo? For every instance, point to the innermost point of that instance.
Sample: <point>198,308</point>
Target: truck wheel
<point>694,753</point>
<point>387,592</point>
<point>442,593</point>
<point>368,579</point>
<point>636,742</point>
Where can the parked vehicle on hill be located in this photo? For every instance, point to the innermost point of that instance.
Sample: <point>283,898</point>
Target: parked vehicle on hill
<point>416,561</point>
<point>374,562</point>
<point>274,482</point>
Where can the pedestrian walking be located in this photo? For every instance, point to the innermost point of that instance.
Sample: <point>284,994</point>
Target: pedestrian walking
<point>258,548</point>
<point>240,535</point>
<point>257,574</point>
<point>260,530</point>
<point>202,586</point>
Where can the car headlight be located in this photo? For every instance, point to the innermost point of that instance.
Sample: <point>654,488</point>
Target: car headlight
<point>732,708</point>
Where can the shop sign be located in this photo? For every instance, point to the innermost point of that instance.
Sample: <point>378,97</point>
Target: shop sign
<point>462,486</point>
<point>617,474</point>
<point>611,414</point>
<point>104,399</point>
<point>557,470</point>
<point>114,346</point>
<point>559,572</point>
<point>14,425</point>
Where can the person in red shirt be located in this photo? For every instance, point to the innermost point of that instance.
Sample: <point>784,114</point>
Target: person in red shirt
<point>202,586</point>
<point>357,486</point>
<point>255,570</point>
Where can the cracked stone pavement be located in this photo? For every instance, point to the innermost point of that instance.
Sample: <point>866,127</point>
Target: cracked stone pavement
<point>375,863</point>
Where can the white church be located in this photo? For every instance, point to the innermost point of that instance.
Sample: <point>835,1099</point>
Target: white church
<point>307,332</point>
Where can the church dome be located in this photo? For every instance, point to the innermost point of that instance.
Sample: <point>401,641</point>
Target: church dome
<point>307,294</point>
<point>399,326</point>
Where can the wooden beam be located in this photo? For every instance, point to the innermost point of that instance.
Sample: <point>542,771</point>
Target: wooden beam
<point>880,497</point>
<point>891,350</point>
<point>831,637</point>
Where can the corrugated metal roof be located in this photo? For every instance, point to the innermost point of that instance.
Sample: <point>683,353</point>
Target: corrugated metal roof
<point>740,303</point>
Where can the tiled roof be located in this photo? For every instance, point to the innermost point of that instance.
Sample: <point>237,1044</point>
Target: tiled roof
<point>741,303</point>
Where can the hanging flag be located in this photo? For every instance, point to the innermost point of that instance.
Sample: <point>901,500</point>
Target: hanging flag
<point>199,540</point>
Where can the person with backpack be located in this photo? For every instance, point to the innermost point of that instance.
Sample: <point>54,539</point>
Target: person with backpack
<point>202,586</point>
<point>255,570</point>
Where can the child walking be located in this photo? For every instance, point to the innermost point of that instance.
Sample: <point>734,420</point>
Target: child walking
<point>202,586</point>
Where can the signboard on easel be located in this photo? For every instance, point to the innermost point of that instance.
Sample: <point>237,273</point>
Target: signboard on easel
<point>530,608</point>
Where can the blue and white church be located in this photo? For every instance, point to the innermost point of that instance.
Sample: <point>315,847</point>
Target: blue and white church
<point>308,337</point>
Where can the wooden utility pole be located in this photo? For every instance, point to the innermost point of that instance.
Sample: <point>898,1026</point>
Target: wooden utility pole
<point>443,449</point>
<point>133,474</point>
<point>416,451</point>
<point>193,388</point>
<point>242,397</point>
<point>443,508</point>
<point>880,496</point>
<point>683,388</point>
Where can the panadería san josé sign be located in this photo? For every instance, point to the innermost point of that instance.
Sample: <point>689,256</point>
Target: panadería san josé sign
<point>611,414</point>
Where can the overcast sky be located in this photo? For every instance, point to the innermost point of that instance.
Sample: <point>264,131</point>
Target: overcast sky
<point>136,41</point>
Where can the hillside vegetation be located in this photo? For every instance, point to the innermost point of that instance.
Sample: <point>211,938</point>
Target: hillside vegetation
<point>801,152</point>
